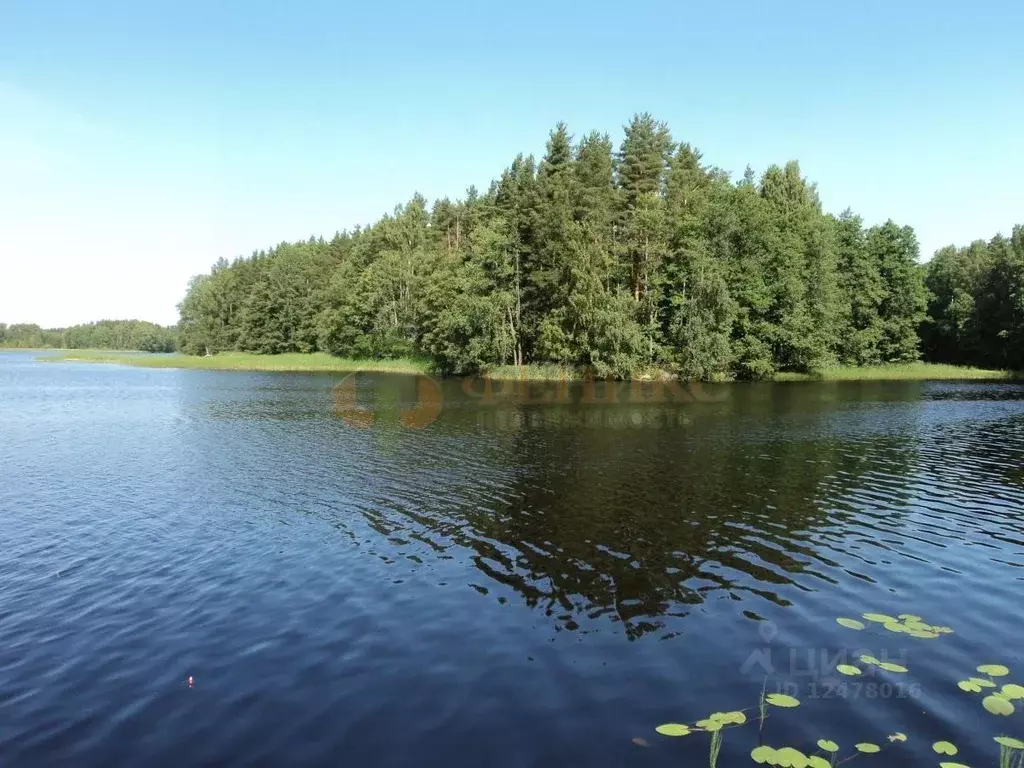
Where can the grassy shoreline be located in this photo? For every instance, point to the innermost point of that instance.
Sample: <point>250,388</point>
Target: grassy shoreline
<point>316,362</point>
<point>901,372</point>
<point>319,362</point>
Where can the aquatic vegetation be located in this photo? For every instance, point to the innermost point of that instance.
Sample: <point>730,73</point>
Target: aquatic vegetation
<point>715,724</point>
<point>1011,752</point>
<point>998,700</point>
<point>782,700</point>
<point>997,705</point>
<point>1010,742</point>
<point>907,623</point>
<point>673,729</point>
<point>850,623</point>
<point>994,670</point>
<point>787,757</point>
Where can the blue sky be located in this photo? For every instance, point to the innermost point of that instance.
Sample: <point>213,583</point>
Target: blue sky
<point>140,141</point>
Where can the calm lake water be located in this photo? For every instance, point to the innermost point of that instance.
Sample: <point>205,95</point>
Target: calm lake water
<point>516,583</point>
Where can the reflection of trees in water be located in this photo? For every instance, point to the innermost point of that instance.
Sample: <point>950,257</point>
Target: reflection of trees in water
<point>638,522</point>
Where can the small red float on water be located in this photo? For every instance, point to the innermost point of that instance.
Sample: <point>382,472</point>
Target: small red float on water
<point>190,681</point>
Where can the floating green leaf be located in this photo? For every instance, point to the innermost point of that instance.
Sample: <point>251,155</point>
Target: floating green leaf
<point>1009,742</point>
<point>868,748</point>
<point>816,761</point>
<point>894,626</point>
<point>997,705</point>
<point>880,618</point>
<point>791,758</point>
<point>710,725</point>
<point>782,700</point>
<point>993,670</point>
<point>953,765</point>
<point>850,623</point>
<point>673,729</point>
<point>869,659</point>
<point>944,748</point>
<point>763,755</point>
<point>897,737</point>
<point>735,718</point>
<point>923,633</point>
<point>889,666</point>
<point>969,685</point>
<point>828,746</point>
<point>847,669</point>
<point>909,617</point>
<point>981,682</point>
<point>1012,691</point>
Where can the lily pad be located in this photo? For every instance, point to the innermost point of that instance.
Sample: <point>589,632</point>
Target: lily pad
<point>923,633</point>
<point>969,685</point>
<point>847,669</point>
<point>982,682</point>
<point>868,748</point>
<point>945,748</point>
<point>869,659</point>
<point>1009,742</point>
<point>953,765</point>
<point>881,618</point>
<point>817,761</point>
<point>764,754</point>
<point>710,725</point>
<point>1012,691</point>
<point>909,617</point>
<point>850,623</point>
<point>895,626</point>
<point>673,729</point>
<point>897,737</point>
<point>993,670</point>
<point>782,700</point>
<point>889,666</point>
<point>997,705</point>
<point>791,758</point>
<point>736,718</point>
<point>828,746</point>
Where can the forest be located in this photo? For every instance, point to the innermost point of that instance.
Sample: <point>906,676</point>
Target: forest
<point>621,260</point>
<point>106,334</point>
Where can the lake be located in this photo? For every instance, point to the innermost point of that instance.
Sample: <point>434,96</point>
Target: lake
<point>388,571</point>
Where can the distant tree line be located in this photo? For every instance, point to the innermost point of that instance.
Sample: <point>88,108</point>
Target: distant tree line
<point>106,334</point>
<point>976,305</point>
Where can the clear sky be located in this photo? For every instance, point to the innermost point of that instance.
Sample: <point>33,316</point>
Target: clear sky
<point>140,141</point>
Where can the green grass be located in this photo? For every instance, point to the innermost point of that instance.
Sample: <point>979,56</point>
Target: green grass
<point>323,363</point>
<point>535,372</point>
<point>317,362</point>
<point>556,372</point>
<point>903,372</point>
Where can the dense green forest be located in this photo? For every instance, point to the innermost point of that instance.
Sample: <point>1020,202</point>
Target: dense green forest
<point>622,260</point>
<point>106,334</point>
<point>976,306</point>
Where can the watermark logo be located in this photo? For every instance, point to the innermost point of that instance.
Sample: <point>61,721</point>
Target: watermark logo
<point>429,399</point>
<point>589,389</point>
<point>822,673</point>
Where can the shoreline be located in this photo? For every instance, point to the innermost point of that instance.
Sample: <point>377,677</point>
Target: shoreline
<point>318,362</point>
